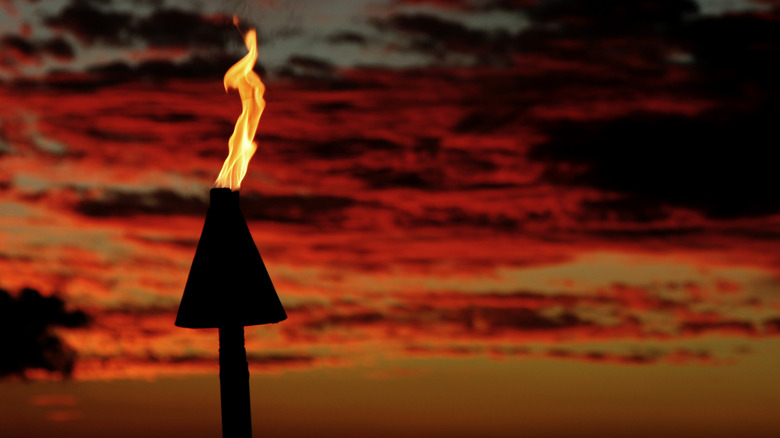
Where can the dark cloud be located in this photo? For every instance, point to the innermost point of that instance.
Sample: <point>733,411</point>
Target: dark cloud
<point>738,327</point>
<point>164,202</point>
<point>718,163</point>
<point>736,53</point>
<point>162,28</point>
<point>194,67</point>
<point>253,358</point>
<point>347,320</point>
<point>442,39</point>
<point>496,318</point>
<point>508,5</point>
<point>207,43</point>
<point>58,48</point>
<point>612,16</point>
<point>661,232</point>
<point>469,314</point>
<point>347,38</point>
<point>460,217</point>
<point>425,165</point>
<point>177,28</point>
<point>384,164</point>
<point>524,311</point>
<point>21,46</point>
<point>632,210</point>
<point>347,147</point>
<point>17,51</point>
<point>92,25</point>
<point>514,6</point>
<point>27,337</point>
<point>772,325</point>
<point>633,37</point>
<point>729,54</point>
<point>644,358</point>
<point>462,5</point>
<point>487,120</point>
<point>115,72</point>
<point>298,66</point>
<point>651,356</point>
<point>392,177</point>
<point>280,359</point>
<point>299,209</point>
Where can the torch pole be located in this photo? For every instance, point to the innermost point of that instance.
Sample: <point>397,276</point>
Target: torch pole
<point>234,383</point>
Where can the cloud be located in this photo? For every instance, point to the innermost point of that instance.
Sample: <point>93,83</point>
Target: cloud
<point>193,67</point>
<point>447,40</point>
<point>424,324</point>
<point>347,37</point>
<point>481,320</point>
<point>622,210</point>
<point>659,160</point>
<point>92,25</point>
<point>97,44</point>
<point>644,356</point>
<point>461,218</point>
<point>161,201</point>
<point>632,39</point>
<point>735,53</point>
<point>178,28</point>
<point>464,318</point>
<point>164,27</point>
<point>17,51</point>
<point>387,177</point>
<point>298,66</point>
<point>58,48</point>
<point>20,48</point>
<point>678,356</point>
<point>727,327</point>
<point>302,209</point>
<point>772,325</point>
<point>346,147</point>
<point>28,340</point>
<point>152,367</point>
<point>725,53</point>
<point>428,187</point>
<point>299,209</point>
<point>609,16</point>
<point>462,5</point>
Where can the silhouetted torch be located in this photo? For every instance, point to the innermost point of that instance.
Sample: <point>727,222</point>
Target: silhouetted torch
<point>228,286</point>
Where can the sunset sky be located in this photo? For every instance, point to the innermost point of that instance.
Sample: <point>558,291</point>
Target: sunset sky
<point>492,218</point>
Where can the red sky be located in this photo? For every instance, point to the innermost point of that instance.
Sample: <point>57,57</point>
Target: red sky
<point>485,227</point>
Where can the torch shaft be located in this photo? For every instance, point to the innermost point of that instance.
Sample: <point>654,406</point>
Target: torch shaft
<point>234,383</point>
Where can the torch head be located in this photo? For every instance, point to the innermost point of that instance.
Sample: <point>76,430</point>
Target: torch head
<point>228,284</point>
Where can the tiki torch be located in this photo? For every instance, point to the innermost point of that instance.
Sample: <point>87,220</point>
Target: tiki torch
<point>229,288</point>
<point>228,285</point>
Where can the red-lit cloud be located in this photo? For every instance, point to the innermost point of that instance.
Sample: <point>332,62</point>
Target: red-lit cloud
<point>555,196</point>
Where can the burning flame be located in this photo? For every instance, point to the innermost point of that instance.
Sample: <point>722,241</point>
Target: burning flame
<point>242,146</point>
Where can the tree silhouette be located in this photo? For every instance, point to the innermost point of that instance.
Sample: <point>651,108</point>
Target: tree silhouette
<point>27,339</point>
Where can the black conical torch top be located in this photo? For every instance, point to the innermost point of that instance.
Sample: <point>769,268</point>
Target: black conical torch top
<point>228,284</point>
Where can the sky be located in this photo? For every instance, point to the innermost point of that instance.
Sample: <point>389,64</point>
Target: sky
<point>483,218</point>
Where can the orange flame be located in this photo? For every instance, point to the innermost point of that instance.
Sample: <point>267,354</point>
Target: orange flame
<point>241,144</point>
